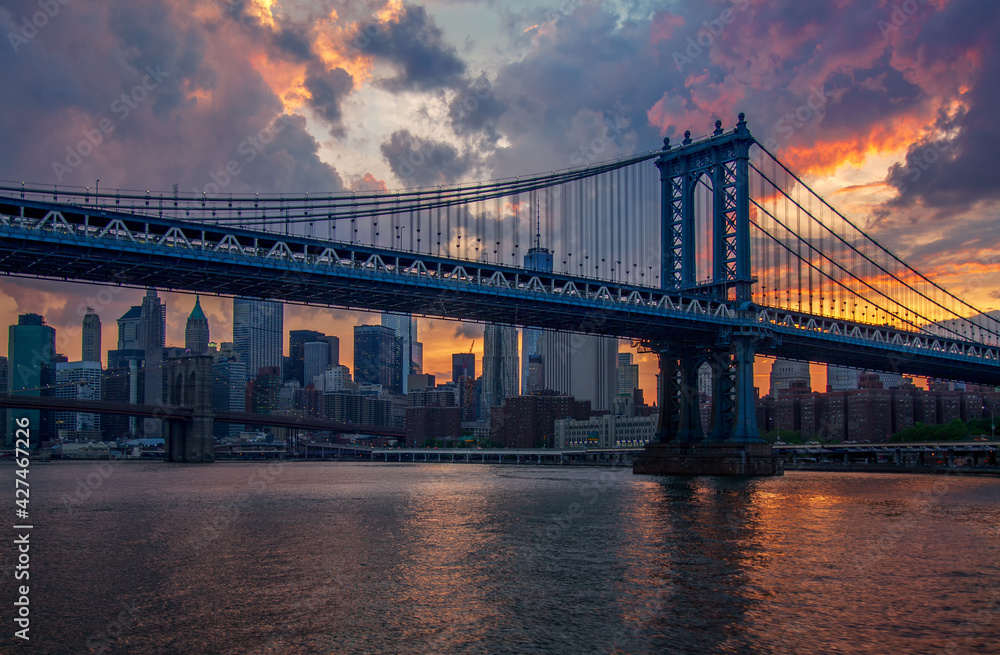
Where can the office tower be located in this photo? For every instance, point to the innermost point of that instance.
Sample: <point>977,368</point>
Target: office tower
<point>786,371</point>
<point>130,333</point>
<point>257,333</point>
<point>500,366</point>
<point>297,340</point>
<point>229,383</point>
<point>196,331</point>
<point>463,365</point>
<point>581,366</point>
<point>417,357</point>
<point>376,353</point>
<point>537,259</point>
<point>334,343</point>
<point>78,381</point>
<point>91,347</point>
<point>3,411</point>
<point>31,349</point>
<point>154,321</point>
<point>154,333</point>
<point>628,374</point>
<point>315,361</point>
<point>264,389</point>
<point>410,354</point>
<point>536,374</point>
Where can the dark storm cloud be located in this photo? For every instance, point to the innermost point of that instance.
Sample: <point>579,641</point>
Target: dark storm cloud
<point>469,331</point>
<point>953,168</point>
<point>423,162</point>
<point>143,95</point>
<point>416,48</point>
<point>328,89</point>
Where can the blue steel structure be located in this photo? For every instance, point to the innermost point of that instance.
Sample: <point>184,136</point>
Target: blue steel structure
<point>820,291</point>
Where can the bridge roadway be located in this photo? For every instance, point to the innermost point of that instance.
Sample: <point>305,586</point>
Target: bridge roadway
<point>81,243</point>
<point>168,412</point>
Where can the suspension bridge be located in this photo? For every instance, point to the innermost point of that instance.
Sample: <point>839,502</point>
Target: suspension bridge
<point>707,251</point>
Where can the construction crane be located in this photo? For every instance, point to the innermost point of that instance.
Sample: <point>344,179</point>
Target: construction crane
<point>472,346</point>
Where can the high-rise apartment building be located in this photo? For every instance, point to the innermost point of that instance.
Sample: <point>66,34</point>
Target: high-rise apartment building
<point>501,374</point>
<point>78,381</point>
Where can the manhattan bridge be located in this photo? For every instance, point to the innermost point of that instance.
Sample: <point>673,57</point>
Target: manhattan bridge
<point>706,251</point>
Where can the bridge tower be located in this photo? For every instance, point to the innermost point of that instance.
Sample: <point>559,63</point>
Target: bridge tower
<point>189,385</point>
<point>720,165</point>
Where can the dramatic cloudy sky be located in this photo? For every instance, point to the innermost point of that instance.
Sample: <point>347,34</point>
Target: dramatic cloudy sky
<point>879,103</point>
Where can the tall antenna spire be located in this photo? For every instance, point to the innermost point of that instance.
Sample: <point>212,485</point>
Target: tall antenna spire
<point>538,222</point>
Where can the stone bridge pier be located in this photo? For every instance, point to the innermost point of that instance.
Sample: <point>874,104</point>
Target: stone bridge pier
<point>189,385</point>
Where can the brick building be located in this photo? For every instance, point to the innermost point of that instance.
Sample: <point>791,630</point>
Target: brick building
<point>529,421</point>
<point>431,422</point>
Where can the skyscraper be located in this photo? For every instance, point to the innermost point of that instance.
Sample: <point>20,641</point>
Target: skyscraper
<point>581,366</point>
<point>196,331</point>
<point>130,332</point>
<point>154,321</point>
<point>376,357</point>
<point>410,354</point>
<point>537,259</point>
<point>3,411</point>
<point>257,333</point>
<point>500,366</point>
<point>31,349</point>
<point>154,333</point>
<point>91,346</point>
<point>628,374</point>
<point>297,340</point>
<point>315,361</point>
<point>229,383</point>
<point>334,343</point>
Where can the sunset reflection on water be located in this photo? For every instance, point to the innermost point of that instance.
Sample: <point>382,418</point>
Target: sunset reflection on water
<point>355,558</point>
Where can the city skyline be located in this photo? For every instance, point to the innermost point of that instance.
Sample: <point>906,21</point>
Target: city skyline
<point>476,93</point>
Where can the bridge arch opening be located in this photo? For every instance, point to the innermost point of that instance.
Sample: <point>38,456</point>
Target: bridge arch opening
<point>703,197</point>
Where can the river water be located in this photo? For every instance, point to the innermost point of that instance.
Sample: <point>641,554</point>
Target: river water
<point>465,558</point>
